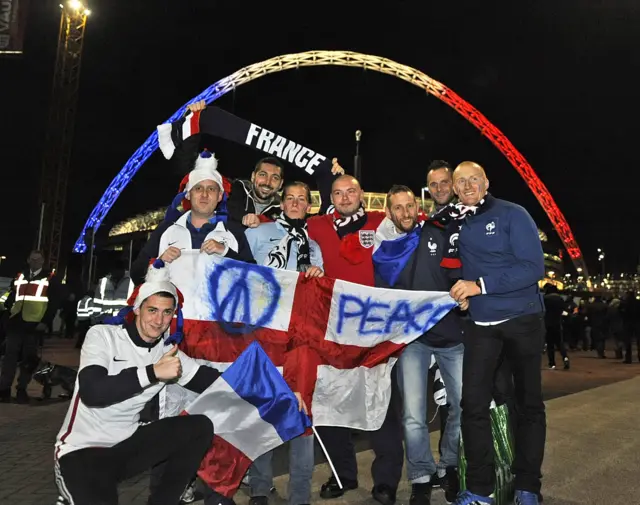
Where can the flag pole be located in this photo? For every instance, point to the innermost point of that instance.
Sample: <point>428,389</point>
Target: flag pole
<point>326,455</point>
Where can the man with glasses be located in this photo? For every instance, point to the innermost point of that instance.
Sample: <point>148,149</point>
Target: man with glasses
<point>502,262</point>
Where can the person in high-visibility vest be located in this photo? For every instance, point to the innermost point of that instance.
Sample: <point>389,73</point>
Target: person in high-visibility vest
<point>32,304</point>
<point>112,292</point>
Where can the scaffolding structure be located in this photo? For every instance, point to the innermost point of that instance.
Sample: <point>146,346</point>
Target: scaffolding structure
<point>59,136</point>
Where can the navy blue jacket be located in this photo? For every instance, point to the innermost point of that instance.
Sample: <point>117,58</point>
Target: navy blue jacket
<point>501,245</point>
<point>424,273</point>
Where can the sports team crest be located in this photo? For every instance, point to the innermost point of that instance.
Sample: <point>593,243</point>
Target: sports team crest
<point>366,238</point>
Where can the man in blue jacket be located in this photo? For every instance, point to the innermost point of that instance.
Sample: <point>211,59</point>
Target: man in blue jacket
<point>502,262</point>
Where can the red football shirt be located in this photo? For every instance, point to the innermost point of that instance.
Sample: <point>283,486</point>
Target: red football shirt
<point>336,265</point>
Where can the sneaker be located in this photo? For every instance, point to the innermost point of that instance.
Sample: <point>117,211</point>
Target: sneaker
<point>552,367</point>
<point>566,363</point>
<point>384,494</point>
<point>189,494</point>
<point>421,494</point>
<point>22,396</point>
<point>526,498</point>
<point>468,498</point>
<point>450,484</point>
<point>330,489</point>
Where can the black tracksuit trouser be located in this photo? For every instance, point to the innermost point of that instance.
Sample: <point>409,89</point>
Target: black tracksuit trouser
<point>91,476</point>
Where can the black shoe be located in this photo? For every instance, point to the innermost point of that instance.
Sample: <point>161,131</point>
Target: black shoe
<point>22,397</point>
<point>214,498</point>
<point>330,489</point>
<point>5,396</point>
<point>451,484</point>
<point>259,500</point>
<point>566,364</point>
<point>384,494</point>
<point>421,494</point>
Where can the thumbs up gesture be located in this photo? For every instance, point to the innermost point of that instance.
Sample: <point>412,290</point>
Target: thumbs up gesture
<point>169,366</point>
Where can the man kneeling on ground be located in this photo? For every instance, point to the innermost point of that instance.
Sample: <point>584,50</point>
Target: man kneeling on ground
<point>122,368</point>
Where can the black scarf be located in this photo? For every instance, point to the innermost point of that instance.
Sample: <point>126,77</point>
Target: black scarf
<point>296,230</point>
<point>350,224</point>
<point>451,218</point>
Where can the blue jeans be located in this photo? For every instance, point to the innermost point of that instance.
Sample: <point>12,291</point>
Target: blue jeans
<point>413,377</point>
<point>300,472</point>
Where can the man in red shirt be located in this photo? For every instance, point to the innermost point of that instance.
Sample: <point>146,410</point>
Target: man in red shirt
<point>345,236</point>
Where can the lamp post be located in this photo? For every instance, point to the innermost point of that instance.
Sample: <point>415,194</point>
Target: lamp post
<point>2,258</point>
<point>601,260</point>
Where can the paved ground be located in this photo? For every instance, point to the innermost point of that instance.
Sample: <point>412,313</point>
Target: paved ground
<point>583,422</point>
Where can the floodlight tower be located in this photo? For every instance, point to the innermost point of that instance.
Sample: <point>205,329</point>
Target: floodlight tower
<point>59,137</point>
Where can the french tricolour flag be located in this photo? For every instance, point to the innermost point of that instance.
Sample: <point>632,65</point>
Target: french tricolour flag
<point>253,411</point>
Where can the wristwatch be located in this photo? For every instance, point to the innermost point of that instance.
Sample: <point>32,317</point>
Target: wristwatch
<point>479,284</point>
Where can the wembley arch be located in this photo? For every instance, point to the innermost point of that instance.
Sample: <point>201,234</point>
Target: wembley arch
<point>358,60</point>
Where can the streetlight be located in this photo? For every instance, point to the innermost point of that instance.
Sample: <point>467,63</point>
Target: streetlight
<point>601,259</point>
<point>2,258</point>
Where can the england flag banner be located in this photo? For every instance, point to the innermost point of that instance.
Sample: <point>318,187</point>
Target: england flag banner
<point>334,341</point>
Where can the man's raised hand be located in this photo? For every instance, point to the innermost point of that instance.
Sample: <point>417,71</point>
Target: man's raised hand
<point>197,106</point>
<point>169,366</point>
<point>336,169</point>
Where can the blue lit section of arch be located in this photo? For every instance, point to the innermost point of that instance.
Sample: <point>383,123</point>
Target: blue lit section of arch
<point>138,159</point>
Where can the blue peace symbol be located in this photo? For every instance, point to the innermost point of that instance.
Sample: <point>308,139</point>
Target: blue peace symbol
<point>232,304</point>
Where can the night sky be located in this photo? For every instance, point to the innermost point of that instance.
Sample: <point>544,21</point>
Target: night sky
<point>558,78</point>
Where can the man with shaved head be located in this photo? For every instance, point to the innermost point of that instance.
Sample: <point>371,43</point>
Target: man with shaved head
<point>346,236</point>
<point>502,261</point>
